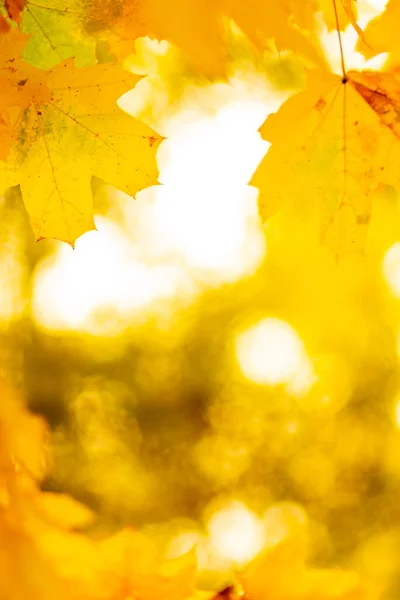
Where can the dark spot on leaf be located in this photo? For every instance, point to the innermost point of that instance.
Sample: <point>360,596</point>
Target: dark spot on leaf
<point>227,593</point>
<point>22,82</point>
<point>320,104</point>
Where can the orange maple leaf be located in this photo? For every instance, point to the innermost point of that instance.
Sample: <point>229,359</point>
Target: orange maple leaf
<point>14,9</point>
<point>20,83</point>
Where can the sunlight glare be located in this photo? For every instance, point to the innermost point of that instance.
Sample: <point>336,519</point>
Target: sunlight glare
<point>271,352</point>
<point>367,10</point>
<point>236,533</point>
<point>397,414</point>
<point>391,268</point>
<point>205,212</point>
<point>98,286</point>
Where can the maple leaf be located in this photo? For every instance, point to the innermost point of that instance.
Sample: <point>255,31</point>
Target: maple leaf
<point>56,29</point>
<point>281,573</point>
<point>198,28</point>
<point>195,27</point>
<point>382,34</point>
<point>136,568</point>
<point>341,14</point>
<point>125,565</point>
<point>64,28</point>
<point>332,146</point>
<point>68,132</point>
<point>260,21</point>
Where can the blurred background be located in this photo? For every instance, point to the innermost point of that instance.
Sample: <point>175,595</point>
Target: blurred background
<point>210,380</point>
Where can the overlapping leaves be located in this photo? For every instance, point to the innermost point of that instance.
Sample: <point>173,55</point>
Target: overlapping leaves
<point>337,171</point>
<point>333,146</point>
<point>61,29</point>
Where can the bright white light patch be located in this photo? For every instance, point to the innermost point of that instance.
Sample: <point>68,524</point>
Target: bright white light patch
<point>270,352</point>
<point>205,212</point>
<point>236,533</point>
<point>391,268</point>
<point>96,287</point>
<point>397,414</point>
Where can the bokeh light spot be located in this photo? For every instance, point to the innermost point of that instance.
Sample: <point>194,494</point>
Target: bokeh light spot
<point>236,533</point>
<point>397,414</point>
<point>98,287</point>
<point>391,268</point>
<point>270,352</point>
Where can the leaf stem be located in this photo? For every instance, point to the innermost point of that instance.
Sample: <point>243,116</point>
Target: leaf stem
<point>340,42</point>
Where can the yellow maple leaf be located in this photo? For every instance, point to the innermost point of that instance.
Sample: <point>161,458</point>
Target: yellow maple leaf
<point>195,27</point>
<point>332,147</point>
<point>341,13</point>
<point>198,28</point>
<point>65,28</point>
<point>125,565</point>
<point>265,20</point>
<point>134,566</point>
<point>281,573</point>
<point>70,131</point>
<point>57,32</point>
<point>382,34</point>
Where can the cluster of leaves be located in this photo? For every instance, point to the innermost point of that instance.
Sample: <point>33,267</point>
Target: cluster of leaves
<point>333,145</point>
<point>44,554</point>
